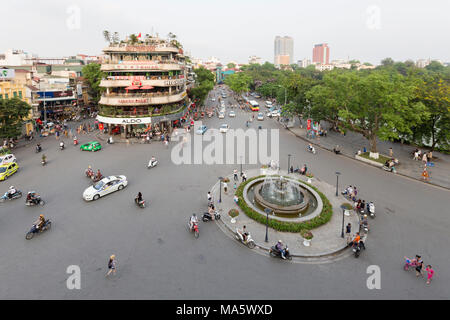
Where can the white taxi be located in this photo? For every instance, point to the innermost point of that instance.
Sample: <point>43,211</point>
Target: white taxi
<point>105,186</point>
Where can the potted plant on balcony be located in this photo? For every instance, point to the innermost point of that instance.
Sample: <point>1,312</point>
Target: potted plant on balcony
<point>307,237</point>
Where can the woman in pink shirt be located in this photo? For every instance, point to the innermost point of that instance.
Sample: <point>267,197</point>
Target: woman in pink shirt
<point>430,273</point>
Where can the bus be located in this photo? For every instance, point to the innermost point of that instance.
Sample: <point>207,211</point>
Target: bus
<point>254,106</point>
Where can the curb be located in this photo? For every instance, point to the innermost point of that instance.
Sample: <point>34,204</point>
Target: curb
<point>263,247</point>
<point>350,157</point>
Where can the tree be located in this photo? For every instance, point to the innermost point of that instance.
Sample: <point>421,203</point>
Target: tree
<point>387,62</point>
<point>238,82</point>
<point>93,76</point>
<point>115,37</point>
<point>12,113</point>
<point>381,105</point>
<point>133,39</point>
<point>434,93</point>
<point>435,66</point>
<point>107,36</point>
<point>204,84</point>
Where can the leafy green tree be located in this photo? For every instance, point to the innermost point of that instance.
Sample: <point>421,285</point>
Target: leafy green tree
<point>204,84</point>
<point>12,113</point>
<point>435,66</point>
<point>107,36</point>
<point>238,82</point>
<point>434,93</point>
<point>93,76</point>
<point>387,62</point>
<point>133,39</point>
<point>381,105</point>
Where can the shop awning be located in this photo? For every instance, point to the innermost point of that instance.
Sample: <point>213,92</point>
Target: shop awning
<point>133,87</point>
<point>147,87</point>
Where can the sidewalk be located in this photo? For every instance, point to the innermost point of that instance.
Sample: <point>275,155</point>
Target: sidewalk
<point>327,238</point>
<point>352,142</point>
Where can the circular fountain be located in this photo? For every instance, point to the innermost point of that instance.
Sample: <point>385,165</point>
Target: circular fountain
<point>282,196</point>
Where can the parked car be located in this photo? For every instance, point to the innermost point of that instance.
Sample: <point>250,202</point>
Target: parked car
<point>7,158</point>
<point>91,146</point>
<point>105,186</point>
<point>201,130</point>
<point>224,128</point>
<point>7,170</point>
<point>268,104</point>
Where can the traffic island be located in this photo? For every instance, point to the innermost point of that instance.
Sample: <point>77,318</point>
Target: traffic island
<point>314,234</point>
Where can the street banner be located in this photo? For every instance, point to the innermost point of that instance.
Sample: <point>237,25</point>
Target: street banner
<point>308,124</point>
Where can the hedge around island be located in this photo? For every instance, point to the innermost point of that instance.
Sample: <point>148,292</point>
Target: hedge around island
<point>285,226</point>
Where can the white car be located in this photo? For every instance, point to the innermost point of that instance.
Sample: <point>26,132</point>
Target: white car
<point>232,114</point>
<point>268,104</point>
<point>7,159</point>
<point>276,113</point>
<point>224,128</point>
<point>104,187</point>
<point>260,116</point>
<point>213,99</point>
<point>221,115</point>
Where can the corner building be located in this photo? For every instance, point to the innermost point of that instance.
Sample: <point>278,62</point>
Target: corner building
<point>145,87</point>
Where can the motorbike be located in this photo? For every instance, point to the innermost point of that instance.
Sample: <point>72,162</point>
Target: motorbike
<point>391,169</point>
<point>365,226</point>
<point>194,229</point>
<point>110,140</point>
<point>152,164</point>
<point>371,209</point>
<point>140,204</point>
<point>312,150</point>
<point>89,173</point>
<point>30,234</point>
<point>96,178</point>
<point>409,263</point>
<point>43,162</point>
<point>33,202</point>
<point>61,146</point>
<point>75,142</point>
<point>16,195</point>
<point>249,242</point>
<point>356,248</point>
<point>38,149</point>
<point>274,252</point>
<point>207,216</point>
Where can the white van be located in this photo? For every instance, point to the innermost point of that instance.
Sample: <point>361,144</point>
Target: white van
<point>7,159</point>
<point>268,104</point>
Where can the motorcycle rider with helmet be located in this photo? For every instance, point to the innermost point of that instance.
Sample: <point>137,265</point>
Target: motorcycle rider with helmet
<point>193,220</point>
<point>279,247</point>
<point>11,191</point>
<point>39,223</point>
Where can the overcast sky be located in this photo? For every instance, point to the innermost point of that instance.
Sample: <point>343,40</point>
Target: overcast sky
<point>367,30</point>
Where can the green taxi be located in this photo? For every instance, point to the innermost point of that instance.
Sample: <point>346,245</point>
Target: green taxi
<point>7,170</point>
<point>91,146</point>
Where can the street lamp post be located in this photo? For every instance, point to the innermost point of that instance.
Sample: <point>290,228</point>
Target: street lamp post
<point>267,211</point>
<point>241,167</point>
<point>289,162</point>
<point>220,189</point>
<point>342,232</point>
<point>337,182</point>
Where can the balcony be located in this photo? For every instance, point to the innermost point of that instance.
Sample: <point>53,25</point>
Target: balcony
<point>140,112</point>
<point>125,81</point>
<point>151,47</point>
<point>141,99</point>
<point>135,65</point>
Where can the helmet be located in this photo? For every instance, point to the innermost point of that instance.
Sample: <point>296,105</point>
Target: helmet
<point>194,214</point>
<point>112,256</point>
<point>280,241</point>
<point>41,216</point>
<point>365,216</point>
<point>11,187</point>
<point>89,167</point>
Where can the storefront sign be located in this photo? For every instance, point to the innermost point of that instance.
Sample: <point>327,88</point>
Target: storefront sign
<point>7,74</point>
<point>308,124</point>
<point>124,120</point>
<point>173,82</point>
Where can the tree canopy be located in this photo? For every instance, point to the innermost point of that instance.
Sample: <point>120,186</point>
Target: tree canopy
<point>12,113</point>
<point>93,76</point>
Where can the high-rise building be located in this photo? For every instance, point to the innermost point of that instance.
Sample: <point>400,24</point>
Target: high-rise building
<point>283,46</point>
<point>321,53</point>
<point>304,63</point>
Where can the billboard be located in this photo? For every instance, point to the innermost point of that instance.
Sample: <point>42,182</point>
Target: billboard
<point>7,74</point>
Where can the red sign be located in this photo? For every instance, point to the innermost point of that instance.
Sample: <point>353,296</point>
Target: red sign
<point>308,124</point>
<point>100,126</point>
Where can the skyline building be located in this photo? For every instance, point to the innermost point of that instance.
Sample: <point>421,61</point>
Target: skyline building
<point>321,54</point>
<point>283,50</point>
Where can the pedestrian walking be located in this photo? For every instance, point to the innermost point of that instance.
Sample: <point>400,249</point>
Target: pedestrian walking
<point>166,143</point>
<point>57,135</point>
<point>348,232</point>
<point>112,265</point>
<point>425,174</point>
<point>419,265</point>
<point>225,187</point>
<point>391,153</point>
<point>235,175</point>
<point>209,196</point>
<point>244,177</point>
<point>430,273</point>
<point>235,186</point>
<point>424,158</point>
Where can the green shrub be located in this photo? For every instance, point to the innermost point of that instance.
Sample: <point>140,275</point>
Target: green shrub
<point>285,226</point>
<point>233,213</point>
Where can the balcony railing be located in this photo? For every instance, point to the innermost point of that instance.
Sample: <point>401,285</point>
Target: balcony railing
<point>141,99</point>
<point>141,94</point>
<point>120,113</point>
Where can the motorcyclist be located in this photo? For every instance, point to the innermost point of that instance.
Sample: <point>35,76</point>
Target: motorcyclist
<point>98,175</point>
<point>310,147</point>
<point>39,223</point>
<point>38,147</point>
<point>89,171</point>
<point>243,233</point>
<point>364,221</point>
<point>31,196</point>
<point>44,158</point>
<point>193,220</point>
<point>279,247</point>
<point>11,191</point>
<point>355,240</point>
<point>152,160</point>
<point>61,144</point>
<point>139,197</point>
<point>75,140</point>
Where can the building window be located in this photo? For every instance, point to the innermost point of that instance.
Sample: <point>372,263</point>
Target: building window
<point>6,96</point>
<point>15,94</point>
<point>1,96</point>
<point>20,94</point>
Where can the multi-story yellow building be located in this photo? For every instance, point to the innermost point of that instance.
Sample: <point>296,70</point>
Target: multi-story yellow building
<point>145,86</point>
<point>20,86</point>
